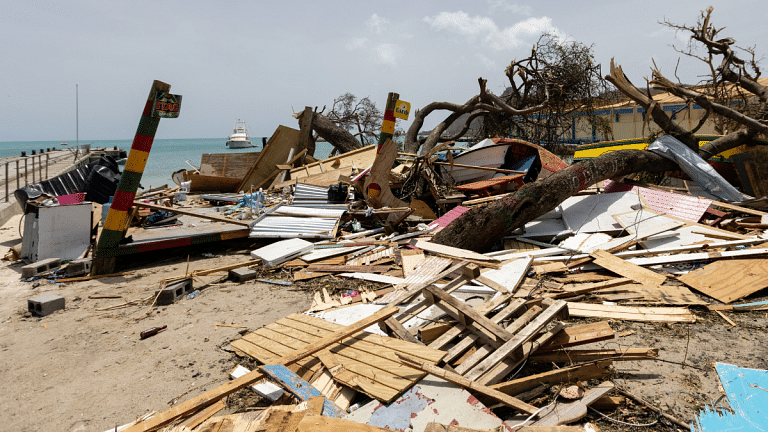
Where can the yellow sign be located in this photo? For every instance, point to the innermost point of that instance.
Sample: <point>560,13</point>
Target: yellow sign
<point>402,109</point>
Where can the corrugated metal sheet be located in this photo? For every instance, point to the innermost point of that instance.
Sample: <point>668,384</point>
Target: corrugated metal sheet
<point>313,196</point>
<point>305,191</point>
<point>277,225</point>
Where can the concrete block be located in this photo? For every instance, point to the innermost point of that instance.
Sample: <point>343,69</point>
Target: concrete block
<point>243,274</point>
<point>40,267</point>
<point>45,304</point>
<point>282,251</point>
<point>174,291</point>
<point>79,267</point>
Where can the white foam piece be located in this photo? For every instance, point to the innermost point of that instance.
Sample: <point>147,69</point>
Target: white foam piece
<point>282,251</point>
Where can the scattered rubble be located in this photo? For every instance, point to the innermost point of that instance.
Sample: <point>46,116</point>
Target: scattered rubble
<point>407,334</point>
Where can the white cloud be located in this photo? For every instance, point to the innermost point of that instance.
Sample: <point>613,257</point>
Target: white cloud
<point>487,62</point>
<point>377,24</point>
<point>357,43</point>
<point>372,48</point>
<point>506,6</point>
<point>485,30</point>
<point>386,53</point>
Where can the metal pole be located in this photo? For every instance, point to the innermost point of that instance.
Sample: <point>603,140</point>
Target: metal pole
<point>18,175</point>
<point>47,161</point>
<point>7,180</point>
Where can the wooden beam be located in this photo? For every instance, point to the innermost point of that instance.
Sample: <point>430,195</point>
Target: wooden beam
<point>619,266</point>
<point>211,396</point>
<point>191,213</point>
<point>468,384</point>
<point>573,374</point>
<point>513,347</point>
<point>466,315</point>
<point>578,356</point>
<point>416,289</point>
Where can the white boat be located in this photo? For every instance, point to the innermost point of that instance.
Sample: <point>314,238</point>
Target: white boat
<point>239,137</point>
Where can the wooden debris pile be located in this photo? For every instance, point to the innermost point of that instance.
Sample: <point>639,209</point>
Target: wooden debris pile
<point>447,338</point>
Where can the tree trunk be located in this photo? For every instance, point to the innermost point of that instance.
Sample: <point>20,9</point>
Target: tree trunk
<point>335,135</point>
<point>479,228</point>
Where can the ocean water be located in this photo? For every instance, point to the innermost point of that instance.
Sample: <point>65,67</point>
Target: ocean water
<point>166,156</point>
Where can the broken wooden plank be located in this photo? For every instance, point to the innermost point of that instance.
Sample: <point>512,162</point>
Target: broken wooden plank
<point>276,151</point>
<point>569,412</point>
<point>483,309</point>
<point>631,313</point>
<point>506,366</point>
<point>468,342</point>
<point>330,424</point>
<point>628,270</point>
<point>211,396</point>
<point>572,374</point>
<point>580,356</point>
<point>415,289</point>
<point>411,260</point>
<point>468,384</point>
<point>513,347</point>
<point>347,268</point>
<point>203,415</point>
<point>466,315</point>
<point>579,335</point>
<point>451,251</point>
<point>469,272</point>
<point>180,211</point>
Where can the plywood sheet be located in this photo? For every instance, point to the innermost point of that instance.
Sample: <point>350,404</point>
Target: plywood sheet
<point>411,260</point>
<point>274,153</point>
<point>729,280</point>
<point>234,165</point>
<point>359,159</point>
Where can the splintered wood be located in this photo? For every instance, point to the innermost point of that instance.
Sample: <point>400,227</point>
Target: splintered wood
<point>370,361</point>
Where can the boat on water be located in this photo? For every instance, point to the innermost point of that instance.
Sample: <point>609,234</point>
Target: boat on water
<point>239,137</point>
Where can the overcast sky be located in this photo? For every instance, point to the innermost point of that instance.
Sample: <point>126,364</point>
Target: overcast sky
<point>261,61</point>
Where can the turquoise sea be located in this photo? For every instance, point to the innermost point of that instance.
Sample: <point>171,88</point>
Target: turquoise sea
<point>167,155</point>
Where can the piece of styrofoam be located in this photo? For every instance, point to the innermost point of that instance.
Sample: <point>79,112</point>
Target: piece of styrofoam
<point>266,390</point>
<point>282,251</point>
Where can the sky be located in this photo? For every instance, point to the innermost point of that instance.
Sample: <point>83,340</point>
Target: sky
<point>264,60</point>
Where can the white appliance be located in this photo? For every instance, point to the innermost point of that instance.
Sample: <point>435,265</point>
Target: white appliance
<point>62,231</point>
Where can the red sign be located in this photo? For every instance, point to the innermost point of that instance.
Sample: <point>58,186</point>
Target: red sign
<point>166,105</point>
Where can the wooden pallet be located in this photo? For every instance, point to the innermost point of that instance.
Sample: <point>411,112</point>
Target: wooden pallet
<point>370,360</point>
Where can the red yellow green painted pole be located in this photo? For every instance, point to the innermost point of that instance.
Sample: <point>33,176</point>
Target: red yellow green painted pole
<point>388,124</point>
<point>117,218</point>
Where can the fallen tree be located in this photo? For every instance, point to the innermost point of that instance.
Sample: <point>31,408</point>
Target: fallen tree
<point>349,125</point>
<point>544,90</point>
<point>479,228</point>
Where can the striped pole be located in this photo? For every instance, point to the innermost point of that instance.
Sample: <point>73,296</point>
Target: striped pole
<point>117,219</point>
<point>388,124</point>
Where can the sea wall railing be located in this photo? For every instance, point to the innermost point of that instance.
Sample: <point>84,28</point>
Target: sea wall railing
<point>32,169</point>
